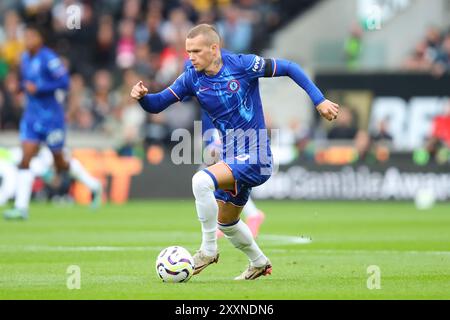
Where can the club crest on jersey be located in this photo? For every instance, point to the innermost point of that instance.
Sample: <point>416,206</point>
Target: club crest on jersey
<point>233,85</point>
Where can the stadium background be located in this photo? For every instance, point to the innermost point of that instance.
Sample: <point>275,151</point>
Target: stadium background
<point>354,63</point>
<point>387,63</point>
<point>392,93</point>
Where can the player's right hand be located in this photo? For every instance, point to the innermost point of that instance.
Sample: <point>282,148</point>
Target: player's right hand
<point>138,91</point>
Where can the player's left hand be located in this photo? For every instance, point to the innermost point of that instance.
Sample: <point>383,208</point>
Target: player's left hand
<point>30,87</point>
<point>328,110</point>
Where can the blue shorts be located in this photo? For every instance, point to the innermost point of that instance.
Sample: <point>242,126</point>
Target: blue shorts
<point>52,133</point>
<point>247,175</point>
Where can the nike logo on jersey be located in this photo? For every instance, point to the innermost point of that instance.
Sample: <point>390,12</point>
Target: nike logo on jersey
<point>203,89</point>
<point>243,157</point>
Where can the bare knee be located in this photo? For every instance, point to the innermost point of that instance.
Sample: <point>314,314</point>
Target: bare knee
<point>228,213</point>
<point>29,150</point>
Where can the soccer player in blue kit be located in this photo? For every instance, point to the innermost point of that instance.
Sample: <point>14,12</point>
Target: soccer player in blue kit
<point>42,73</point>
<point>226,86</point>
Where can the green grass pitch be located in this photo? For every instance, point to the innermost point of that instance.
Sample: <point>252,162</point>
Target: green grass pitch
<point>116,248</point>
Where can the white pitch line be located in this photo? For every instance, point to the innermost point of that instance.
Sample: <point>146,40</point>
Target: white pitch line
<point>276,239</point>
<point>281,239</point>
<point>413,252</point>
<point>75,248</point>
<point>266,239</point>
<point>5,248</point>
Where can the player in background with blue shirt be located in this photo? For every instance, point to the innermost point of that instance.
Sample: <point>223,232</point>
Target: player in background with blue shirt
<point>226,86</point>
<point>42,73</point>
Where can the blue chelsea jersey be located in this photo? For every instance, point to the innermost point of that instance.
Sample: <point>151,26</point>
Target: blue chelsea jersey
<point>46,71</point>
<point>230,98</point>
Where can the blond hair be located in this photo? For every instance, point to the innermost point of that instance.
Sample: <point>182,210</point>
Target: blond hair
<point>208,31</point>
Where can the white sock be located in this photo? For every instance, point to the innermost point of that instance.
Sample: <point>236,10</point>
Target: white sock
<point>8,172</point>
<point>77,170</point>
<point>25,180</point>
<point>250,208</point>
<point>241,237</point>
<point>207,210</point>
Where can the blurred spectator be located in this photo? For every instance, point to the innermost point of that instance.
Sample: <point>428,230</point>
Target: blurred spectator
<point>154,24</point>
<point>271,16</point>
<point>353,47</point>
<point>208,17</point>
<point>78,115</point>
<point>79,44</point>
<point>362,145</point>
<point>122,93</point>
<point>11,39</point>
<point>116,41</point>
<point>131,120</point>
<point>301,134</point>
<point>143,61</point>
<point>432,54</point>
<point>6,5</point>
<point>433,41</point>
<point>382,133</point>
<point>156,5</point>
<point>156,130</point>
<point>344,128</point>
<point>176,27</point>
<point>104,99</point>
<point>264,17</point>
<point>442,61</point>
<point>4,114</point>
<point>205,5</point>
<point>440,133</point>
<point>188,7</point>
<point>125,120</point>
<point>235,30</point>
<point>131,10</point>
<point>419,60</point>
<point>126,46</point>
<point>105,43</point>
<point>172,61</point>
<point>11,102</point>
<point>381,141</point>
<point>38,11</point>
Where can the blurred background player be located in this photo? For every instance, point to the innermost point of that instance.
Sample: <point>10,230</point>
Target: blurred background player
<point>212,154</point>
<point>42,74</point>
<point>9,159</point>
<point>41,166</point>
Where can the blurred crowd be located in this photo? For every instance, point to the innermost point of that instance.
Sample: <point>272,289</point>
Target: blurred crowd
<point>117,42</point>
<point>431,54</point>
<point>345,141</point>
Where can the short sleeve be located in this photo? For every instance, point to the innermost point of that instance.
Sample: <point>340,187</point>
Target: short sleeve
<point>181,87</point>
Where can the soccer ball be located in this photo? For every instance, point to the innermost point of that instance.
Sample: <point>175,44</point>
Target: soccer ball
<point>175,264</point>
